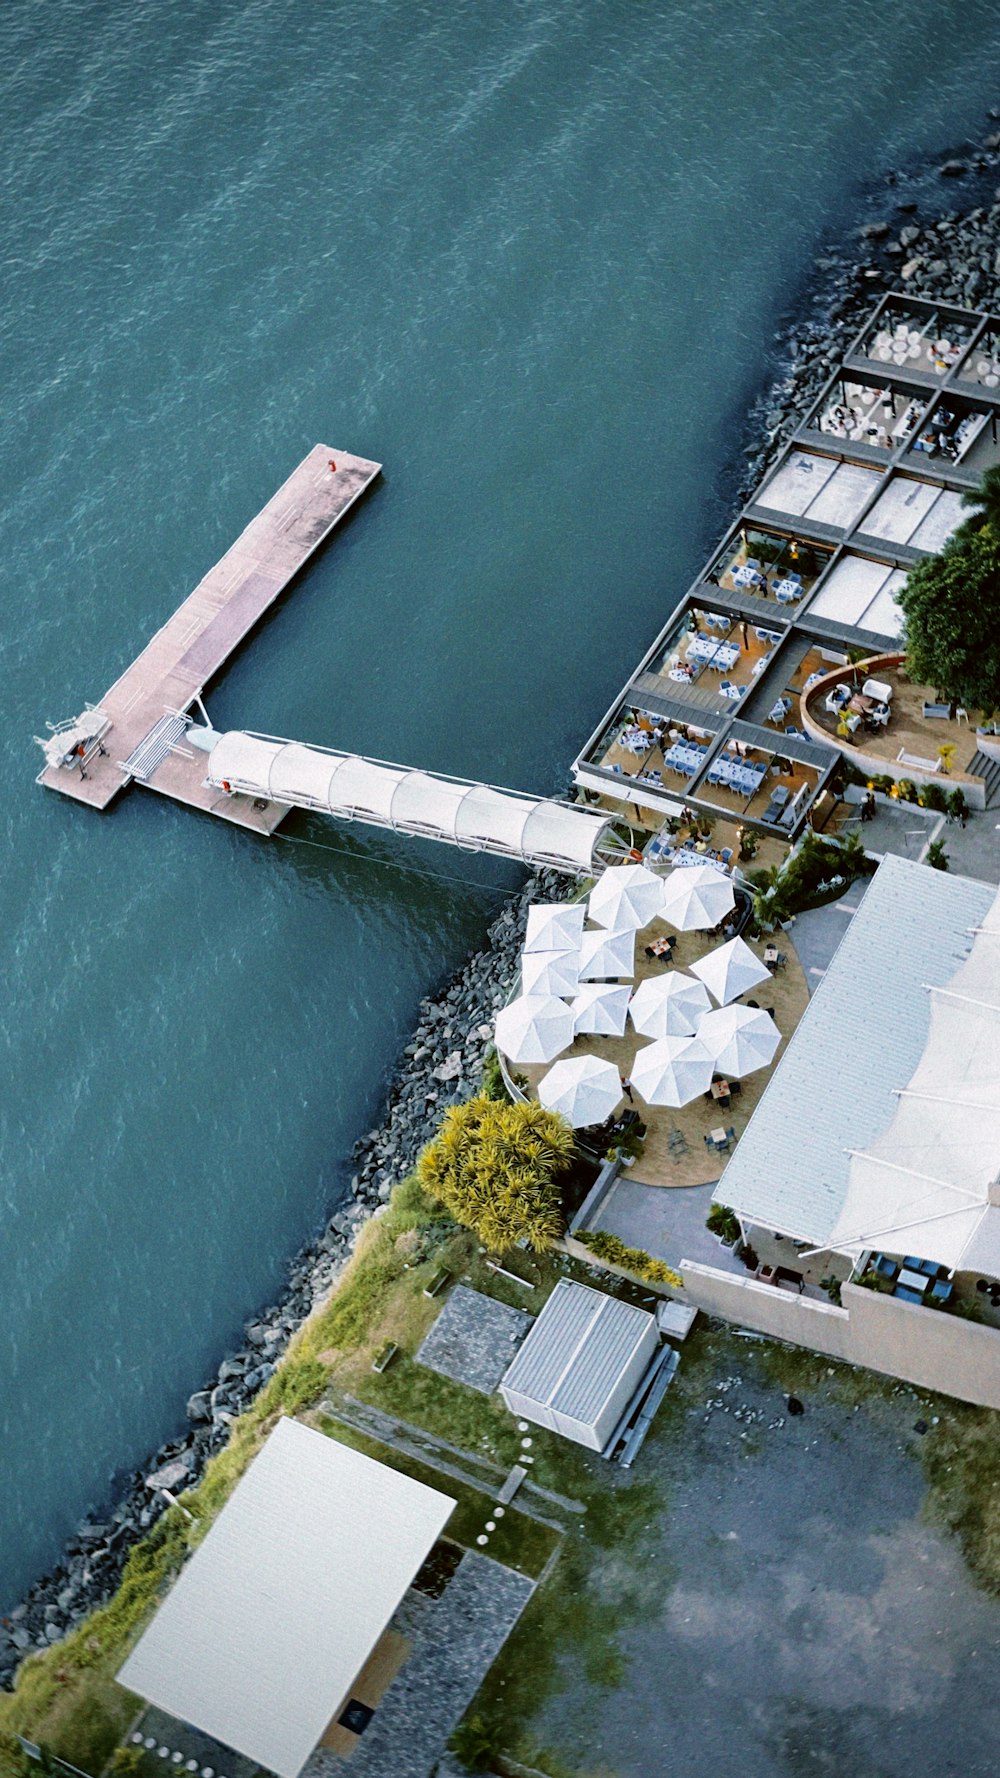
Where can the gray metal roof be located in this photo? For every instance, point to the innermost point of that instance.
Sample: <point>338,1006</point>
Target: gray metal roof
<point>577,1350</point>
<point>860,1037</point>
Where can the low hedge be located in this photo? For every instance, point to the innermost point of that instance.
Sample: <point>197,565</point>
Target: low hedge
<point>631,1259</point>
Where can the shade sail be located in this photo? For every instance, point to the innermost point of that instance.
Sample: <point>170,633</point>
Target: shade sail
<point>740,1038</point>
<point>698,898</point>
<point>549,972</point>
<point>929,1183</point>
<point>478,817</point>
<point>607,956</point>
<point>730,970</point>
<point>554,926</point>
<point>669,1005</point>
<point>672,1071</point>
<point>583,1089</point>
<point>627,897</point>
<point>601,1008</point>
<point>534,1028</point>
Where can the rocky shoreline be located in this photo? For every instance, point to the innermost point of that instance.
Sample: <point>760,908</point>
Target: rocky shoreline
<point>912,240</point>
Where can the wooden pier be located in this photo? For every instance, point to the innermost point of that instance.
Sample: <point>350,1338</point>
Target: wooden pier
<point>137,740</point>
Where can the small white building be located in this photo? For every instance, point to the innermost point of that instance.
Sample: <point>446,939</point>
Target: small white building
<point>581,1364</point>
<point>266,1630</point>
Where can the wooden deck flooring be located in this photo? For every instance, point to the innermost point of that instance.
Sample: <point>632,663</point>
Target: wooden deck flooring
<point>196,642</point>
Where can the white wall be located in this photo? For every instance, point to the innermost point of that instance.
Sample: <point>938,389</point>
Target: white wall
<point>928,1347</point>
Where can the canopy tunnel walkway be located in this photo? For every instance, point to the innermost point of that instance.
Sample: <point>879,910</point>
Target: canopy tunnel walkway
<point>474,817</point>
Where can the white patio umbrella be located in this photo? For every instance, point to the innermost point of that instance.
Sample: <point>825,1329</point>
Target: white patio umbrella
<point>672,1071</point>
<point>669,1005</point>
<point>740,1038</point>
<point>534,1028</point>
<point>550,972</point>
<point>730,970</point>
<point>601,1008</point>
<point>627,897</point>
<point>583,1089</point>
<point>606,955</point>
<point>697,898</point>
<point>554,926</point>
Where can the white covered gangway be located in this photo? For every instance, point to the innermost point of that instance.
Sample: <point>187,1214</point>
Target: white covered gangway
<point>475,817</point>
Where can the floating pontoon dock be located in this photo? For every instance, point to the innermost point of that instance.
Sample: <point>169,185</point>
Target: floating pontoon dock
<point>137,731</point>
<point>144,729</point>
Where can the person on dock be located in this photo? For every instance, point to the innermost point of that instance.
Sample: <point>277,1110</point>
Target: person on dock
<point>627,1088</point>
<point>333,467</point>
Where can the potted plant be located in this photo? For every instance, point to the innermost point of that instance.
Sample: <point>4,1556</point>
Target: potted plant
<point>946,752</point>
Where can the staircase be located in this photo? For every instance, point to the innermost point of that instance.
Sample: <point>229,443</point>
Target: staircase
<point>987,767</point>
<point>154,747</point>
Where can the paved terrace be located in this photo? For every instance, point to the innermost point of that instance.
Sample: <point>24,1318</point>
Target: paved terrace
<point>666,1160</point>
<point>196,642</point>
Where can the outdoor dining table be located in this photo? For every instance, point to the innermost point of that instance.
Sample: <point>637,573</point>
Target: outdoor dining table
<point>635,740</point>
<point>683,857</point>
<point>720,1090</point>
<point>787,591</point>
<point>913,1280</point>
<point>683,759</point>
<point>707,648</point>
<point>747,576</point>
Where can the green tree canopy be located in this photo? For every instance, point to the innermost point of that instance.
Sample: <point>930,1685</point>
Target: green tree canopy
<point>985,503</point>
<point>952,607</point>
<point>495,1166</point>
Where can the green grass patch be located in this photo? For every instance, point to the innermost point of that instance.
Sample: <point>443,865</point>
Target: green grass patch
<point>519,1541</point>
<point>961,1460</point>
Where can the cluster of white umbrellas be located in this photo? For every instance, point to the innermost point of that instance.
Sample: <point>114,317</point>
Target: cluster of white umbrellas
<point>572,982</point>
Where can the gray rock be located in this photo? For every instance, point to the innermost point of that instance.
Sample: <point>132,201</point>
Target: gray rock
<point>953,169</point>
<point>199,1406</point>
<point>172,1475</point>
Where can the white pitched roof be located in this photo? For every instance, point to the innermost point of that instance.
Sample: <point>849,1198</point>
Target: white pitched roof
<point>858,1042</point>
<point>264,1632</point>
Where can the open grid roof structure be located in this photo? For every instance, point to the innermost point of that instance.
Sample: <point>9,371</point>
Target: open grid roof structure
<point>261,1637</point>
<point>856,1047</point>
<point>869,511</point>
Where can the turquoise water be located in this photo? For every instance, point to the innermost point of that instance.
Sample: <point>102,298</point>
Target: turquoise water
<point>529,257</point>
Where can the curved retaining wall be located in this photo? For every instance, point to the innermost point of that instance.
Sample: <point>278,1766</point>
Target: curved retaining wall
<point>973,789</point>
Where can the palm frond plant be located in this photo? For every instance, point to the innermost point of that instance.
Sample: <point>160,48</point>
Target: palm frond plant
<point>496,1166</point>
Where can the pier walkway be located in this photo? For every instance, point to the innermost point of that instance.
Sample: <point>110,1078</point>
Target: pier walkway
<point>129,734</point>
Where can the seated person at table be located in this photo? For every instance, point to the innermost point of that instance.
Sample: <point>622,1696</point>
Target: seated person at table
<point>661,947</point>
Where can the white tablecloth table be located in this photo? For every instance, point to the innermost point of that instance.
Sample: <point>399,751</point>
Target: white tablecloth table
<point>707,649</point>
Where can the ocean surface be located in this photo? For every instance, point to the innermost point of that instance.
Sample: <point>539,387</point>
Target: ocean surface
<point>529,256</point>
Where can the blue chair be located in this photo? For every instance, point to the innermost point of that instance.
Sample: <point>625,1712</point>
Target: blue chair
<point>908,1296</point>
<point>942,1291</point>
<point>885,1267</point>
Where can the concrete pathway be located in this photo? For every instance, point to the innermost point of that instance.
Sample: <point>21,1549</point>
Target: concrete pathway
<point>669,1224</point>
<point>817,933</point>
